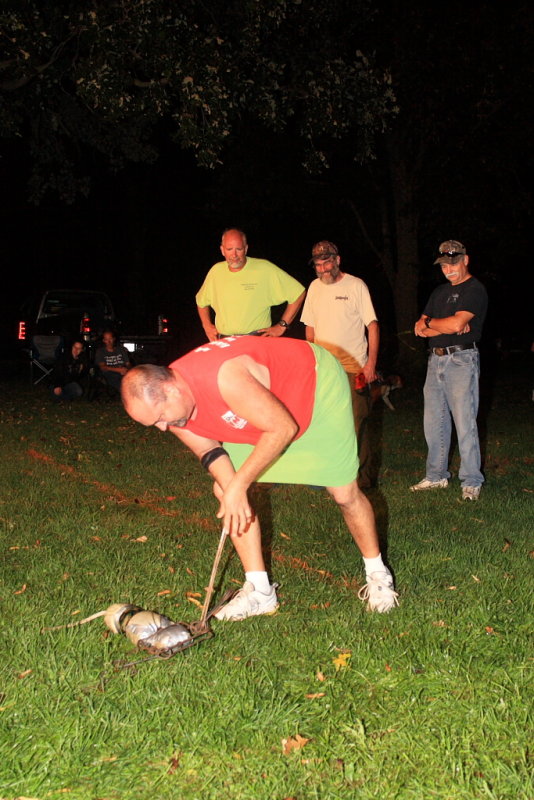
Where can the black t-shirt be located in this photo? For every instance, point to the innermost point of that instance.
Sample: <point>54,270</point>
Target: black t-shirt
<point>446,300</point>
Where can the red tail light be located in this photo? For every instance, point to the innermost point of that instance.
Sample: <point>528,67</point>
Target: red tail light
<point>163,325</point>
<point>22,331</point>
<point>86,325</point>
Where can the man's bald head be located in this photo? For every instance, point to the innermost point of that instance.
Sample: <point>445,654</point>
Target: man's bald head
<point>157,396</point>
<point>145,382</point>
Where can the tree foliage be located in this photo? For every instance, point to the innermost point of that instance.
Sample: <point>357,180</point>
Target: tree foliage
<point>108,79</point>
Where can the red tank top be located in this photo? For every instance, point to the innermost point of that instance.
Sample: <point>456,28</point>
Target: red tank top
<point>291,365</point>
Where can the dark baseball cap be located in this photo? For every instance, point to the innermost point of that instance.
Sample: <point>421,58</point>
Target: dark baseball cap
<point>450,252</point>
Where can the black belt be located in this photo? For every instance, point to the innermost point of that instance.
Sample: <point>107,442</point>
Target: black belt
<point>227,335</point>
<point>446,351</point>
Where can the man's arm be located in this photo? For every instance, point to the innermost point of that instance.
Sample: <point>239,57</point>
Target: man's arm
<point>205,318</point>
<point>288,316</point>
<point>373,336</point>
<point>241,384</point>
<point>433,326</point>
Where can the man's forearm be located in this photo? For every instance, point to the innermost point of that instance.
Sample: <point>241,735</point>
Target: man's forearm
<point>204,312</point>
<point>373,333</point>
<point>427,326</point>
<point>293,308</point>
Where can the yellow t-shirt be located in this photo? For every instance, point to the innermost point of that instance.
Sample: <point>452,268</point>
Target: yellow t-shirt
<point>242,300</point>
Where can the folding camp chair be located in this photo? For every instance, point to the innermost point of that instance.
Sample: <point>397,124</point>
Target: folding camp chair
<point>44,352</point>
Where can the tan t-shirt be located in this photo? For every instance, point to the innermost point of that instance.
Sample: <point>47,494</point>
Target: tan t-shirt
<point>339,313</point>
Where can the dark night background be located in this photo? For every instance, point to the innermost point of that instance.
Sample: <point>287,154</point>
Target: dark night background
<point>453,162</point>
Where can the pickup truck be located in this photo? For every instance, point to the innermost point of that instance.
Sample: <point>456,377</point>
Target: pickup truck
<point>85,313</point>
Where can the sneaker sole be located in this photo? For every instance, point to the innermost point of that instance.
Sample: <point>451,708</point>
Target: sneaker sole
<point>250,616</point>
<point>426,488</point>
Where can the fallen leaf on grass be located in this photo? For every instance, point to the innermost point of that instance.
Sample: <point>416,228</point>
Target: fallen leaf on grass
<point>285,536</point>
<point>387,668</point>
<point>440,624</point>
<point>174,764</point>
<point>451,588</point>
<point>476,578</point>
<point>341,660</point>
<point>320,676</point>
<point>140,539</point>
<point>170,499</point>
<point>21,590</point>
<point>163,592</point>
<point>296,743</point>
<point>193,594</point>
<point>73,613</point>
<point>195,601</point>
<point>24,674</point>
<point>489,630</point>
<point>23,797</point>
<point>315,695</point>
<point>506,545</point>
<point>189,571</point>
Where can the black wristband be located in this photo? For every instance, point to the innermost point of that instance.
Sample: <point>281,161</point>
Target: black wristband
<point>211,456</point>
<point>427,321</point>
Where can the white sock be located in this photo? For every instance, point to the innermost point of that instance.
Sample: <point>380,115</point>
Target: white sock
<point>260,581</point>
<point>374,565</point>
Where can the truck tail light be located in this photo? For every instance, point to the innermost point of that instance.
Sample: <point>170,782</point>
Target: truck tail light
<point>86,324</point>
<point>163,324</point>
<point>22,331</point>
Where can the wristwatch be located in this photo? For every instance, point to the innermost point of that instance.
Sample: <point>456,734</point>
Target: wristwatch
<point>427,321</point>
<point>283,323</point>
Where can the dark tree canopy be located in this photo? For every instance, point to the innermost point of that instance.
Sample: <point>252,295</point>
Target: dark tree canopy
<point>106,80</point>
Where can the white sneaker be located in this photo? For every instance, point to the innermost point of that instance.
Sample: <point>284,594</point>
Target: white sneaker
<point>379,592</point>
<point>428,484</point>
<point>248,602</point>
<point>470,492</point>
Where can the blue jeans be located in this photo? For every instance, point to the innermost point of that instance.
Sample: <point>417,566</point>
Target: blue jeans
<point>451,389</point>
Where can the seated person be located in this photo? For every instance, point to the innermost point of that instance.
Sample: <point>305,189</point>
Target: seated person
<point>112,359</point>
<point>69,373</point>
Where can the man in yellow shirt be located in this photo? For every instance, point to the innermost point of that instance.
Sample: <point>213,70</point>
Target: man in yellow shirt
<point>241,290</point>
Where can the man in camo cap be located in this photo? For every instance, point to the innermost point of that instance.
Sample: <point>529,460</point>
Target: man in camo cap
<point>339,315</point>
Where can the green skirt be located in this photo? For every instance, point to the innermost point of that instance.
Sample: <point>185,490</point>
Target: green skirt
<point>327,453</point>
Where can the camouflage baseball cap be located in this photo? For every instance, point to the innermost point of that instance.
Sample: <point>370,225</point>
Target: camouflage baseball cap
<point>450,252</point>
<point>323,250</point>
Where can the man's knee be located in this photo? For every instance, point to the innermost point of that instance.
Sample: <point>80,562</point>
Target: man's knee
<point>345,496</point>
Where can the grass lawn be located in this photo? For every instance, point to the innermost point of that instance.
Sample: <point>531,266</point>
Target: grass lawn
<point>322,700</point>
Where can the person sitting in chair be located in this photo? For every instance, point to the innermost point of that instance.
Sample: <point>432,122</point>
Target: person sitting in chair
<point>69,373</point>
<point>112,359</point>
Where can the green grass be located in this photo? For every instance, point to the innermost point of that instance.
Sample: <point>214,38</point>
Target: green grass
<point>434,701</point>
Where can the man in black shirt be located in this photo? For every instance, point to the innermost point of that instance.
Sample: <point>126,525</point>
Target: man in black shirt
<point>452,321</point>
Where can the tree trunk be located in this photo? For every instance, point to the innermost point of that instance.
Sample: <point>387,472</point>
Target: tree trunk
<point>406,224</point>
